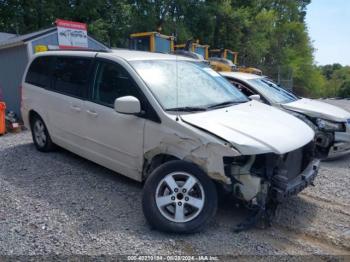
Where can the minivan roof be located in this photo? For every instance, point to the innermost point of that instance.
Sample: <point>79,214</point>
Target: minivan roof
<point>129,55</point>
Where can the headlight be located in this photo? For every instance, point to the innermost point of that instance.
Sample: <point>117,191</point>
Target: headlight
<point>329,125</point>
<point>303,118</point>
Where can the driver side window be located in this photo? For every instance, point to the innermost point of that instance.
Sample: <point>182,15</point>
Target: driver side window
<point>244,89</point>
<point>112,81</point>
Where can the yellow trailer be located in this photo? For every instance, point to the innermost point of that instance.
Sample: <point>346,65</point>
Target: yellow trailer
<point>202,50</point>
<point>224,53</point>
<point>152,42</point>
<point>220,60</point>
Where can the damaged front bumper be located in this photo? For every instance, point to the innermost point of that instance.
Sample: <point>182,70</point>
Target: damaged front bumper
<point>339,149</point>
<point>333,144</point>
<point>341,145</point>
<point>282,189</point>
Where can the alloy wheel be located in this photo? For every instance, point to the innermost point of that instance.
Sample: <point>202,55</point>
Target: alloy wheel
<point>180,197</point>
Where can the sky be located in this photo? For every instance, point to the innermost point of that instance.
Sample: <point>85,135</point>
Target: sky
<point>328,23</point>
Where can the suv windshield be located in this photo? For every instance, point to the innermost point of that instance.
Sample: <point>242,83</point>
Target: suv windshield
<point>272,91</point>
<point>187,86</point>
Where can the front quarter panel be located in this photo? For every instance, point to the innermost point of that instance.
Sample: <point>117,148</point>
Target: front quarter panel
<point>185,142</point>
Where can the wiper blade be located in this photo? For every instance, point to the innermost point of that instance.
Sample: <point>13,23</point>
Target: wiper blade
<point>187,109</point>
<point>223,104</point>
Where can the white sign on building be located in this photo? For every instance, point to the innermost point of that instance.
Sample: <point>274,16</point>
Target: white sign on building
<point>71,34</point>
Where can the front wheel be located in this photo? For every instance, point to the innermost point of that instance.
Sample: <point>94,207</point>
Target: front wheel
<point>179,197</point>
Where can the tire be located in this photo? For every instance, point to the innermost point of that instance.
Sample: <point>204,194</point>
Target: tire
<point>161,198</point>
<point>40,135</point>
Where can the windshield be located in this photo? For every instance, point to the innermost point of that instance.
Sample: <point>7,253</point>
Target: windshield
<point>272,91</point>
<point>187,86</point>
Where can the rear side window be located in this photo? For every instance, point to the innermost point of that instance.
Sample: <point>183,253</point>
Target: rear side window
<point>39,72</point>
<point>71,76</point>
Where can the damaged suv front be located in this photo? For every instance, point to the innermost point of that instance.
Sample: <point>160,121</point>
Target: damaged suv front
<point>330,123</point>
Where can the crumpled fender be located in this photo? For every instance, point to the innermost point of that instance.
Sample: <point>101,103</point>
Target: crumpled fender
<point>207,155</point>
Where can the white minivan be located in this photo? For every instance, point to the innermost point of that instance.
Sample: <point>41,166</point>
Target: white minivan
<point>169,122</point>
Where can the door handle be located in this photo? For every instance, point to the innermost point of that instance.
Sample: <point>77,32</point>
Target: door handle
<point>75,108</point>
<point>92,113</point>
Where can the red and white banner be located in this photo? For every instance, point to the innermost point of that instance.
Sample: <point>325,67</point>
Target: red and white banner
<point>71,34</point>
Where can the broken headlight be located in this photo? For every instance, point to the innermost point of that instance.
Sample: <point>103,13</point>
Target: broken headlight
<point>327,125</point>
<point>303,118</point>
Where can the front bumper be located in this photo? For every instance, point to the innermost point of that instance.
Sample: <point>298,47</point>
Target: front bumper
<point>281,190</point>
<point>342,136</point>
<point>341,144</point>
<point>339,149</point>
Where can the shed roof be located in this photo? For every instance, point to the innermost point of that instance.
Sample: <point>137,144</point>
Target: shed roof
<point>14,40</point>
<point>21,39</point>
<point>5,36</point>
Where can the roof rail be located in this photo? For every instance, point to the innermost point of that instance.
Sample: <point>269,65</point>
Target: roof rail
<point>83,49</point>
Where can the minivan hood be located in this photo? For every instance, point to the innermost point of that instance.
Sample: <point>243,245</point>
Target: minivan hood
<point>254,128</point>
<point>314,108</point>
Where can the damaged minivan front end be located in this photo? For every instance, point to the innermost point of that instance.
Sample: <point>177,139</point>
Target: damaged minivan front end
<point>211,134</point>
<point>274,161</point>
<point>266,178</point>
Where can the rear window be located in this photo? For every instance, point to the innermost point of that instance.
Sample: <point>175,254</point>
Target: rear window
<point>71,75</point>
<point>39,72</point>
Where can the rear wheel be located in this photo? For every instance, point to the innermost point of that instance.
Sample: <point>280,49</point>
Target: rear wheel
<point>41,137</point>
<point>179,197</point>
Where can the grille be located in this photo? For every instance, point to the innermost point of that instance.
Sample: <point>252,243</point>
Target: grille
<point>296,161</point>
<point>284,167</point>
<point>293,163</point>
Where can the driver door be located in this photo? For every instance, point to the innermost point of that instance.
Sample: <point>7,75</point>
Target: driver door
<point>114,140</point>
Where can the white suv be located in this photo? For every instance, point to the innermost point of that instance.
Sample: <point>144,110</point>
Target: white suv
<point>172,123</point>
<point>330,123</point>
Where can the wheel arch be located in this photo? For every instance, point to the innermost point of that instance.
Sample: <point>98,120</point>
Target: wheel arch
<point>32,113</point>
<point>155,161</point>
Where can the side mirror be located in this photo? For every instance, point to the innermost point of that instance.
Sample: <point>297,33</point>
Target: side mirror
<point>255,97</point>
<point>127,105</point>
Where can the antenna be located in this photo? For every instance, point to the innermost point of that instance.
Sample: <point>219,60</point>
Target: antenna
<point>177,80</point>
<point>177,87</point>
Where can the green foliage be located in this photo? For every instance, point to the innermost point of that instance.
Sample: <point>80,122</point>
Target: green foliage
<point>345,89</point>
<point>338,80</point>
<point>268,34</point>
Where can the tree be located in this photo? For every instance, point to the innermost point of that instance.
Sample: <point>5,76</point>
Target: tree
<point>268,34</point>
<point>345,89</point>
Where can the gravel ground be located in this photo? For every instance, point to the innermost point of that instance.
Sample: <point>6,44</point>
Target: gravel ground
<point>59,203</point>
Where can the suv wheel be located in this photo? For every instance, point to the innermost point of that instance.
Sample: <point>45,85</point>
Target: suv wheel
<point>41,137</point>
<point>179,197</point>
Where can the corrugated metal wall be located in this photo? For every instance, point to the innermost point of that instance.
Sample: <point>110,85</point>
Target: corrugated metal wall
<point>13,62</point>
<point>200,50</point>
<point>162,45</point>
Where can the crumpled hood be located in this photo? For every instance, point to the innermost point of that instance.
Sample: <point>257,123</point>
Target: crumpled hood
<point>254,128</point>
<point>314,108</point>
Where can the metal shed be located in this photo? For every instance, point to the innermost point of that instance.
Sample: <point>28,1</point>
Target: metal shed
<point>15,52</point>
